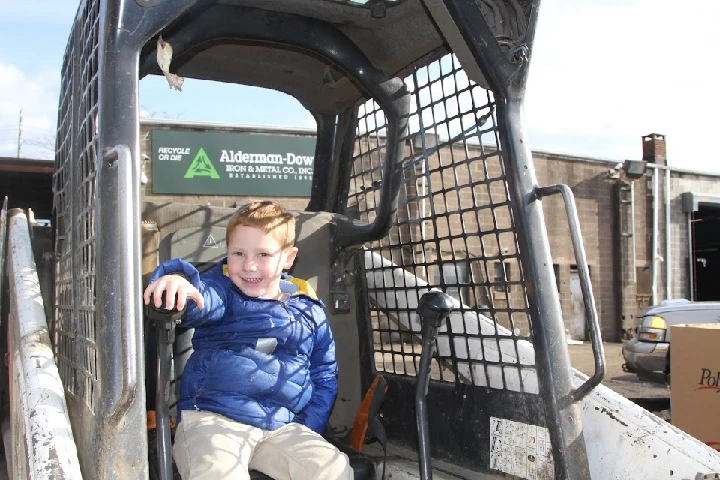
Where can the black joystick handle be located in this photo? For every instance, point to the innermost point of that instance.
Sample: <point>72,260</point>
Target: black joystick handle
<point>164,321</point>
<point>434,307</point>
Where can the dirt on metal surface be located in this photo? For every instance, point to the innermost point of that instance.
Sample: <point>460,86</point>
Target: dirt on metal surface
<point>649,389</point>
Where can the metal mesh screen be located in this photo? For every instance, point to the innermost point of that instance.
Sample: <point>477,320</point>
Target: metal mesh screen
<point>74,181</point>
<point>454,231</point>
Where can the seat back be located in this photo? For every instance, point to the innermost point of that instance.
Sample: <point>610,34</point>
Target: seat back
<point>197,234</point>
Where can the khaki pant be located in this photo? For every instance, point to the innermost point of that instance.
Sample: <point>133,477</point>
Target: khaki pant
<point>209,446</point>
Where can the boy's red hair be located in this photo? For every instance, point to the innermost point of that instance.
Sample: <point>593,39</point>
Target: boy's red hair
<point>267,216</point>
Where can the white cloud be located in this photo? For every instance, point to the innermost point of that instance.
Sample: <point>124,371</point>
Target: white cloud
<point>37,96</point>
<point>309,122</point>
<point>603,75</point>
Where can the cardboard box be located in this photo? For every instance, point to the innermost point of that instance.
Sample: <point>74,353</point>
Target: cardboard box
<point>695,381</point>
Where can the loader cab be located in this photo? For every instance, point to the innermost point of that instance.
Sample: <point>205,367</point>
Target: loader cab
<point>422,181</point>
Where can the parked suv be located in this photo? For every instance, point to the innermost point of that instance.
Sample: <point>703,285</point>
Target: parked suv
<point>647,350</point>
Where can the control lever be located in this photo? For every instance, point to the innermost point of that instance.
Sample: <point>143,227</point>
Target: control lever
<point>434,307</point>
<point>164,321</point>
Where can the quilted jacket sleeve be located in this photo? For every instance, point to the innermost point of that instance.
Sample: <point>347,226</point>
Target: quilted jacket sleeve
<point>323,372</point>
<point>212,292</point>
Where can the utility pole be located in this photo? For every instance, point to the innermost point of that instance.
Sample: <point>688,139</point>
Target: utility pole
<point>19,134</point>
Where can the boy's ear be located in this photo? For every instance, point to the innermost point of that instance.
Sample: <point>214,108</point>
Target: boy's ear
<point>291,254</point>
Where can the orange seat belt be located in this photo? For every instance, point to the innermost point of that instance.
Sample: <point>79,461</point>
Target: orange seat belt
<point>368,410</point>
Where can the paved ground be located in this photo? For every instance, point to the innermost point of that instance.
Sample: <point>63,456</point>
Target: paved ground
<point>647,389</point>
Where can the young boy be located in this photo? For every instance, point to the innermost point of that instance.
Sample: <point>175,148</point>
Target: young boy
<point>258,388</point>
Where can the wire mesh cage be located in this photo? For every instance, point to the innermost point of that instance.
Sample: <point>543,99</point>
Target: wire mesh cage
<point>454,231</point>
<point>74,325</point>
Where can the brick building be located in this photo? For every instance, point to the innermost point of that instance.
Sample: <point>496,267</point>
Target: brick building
<point>622,221</point>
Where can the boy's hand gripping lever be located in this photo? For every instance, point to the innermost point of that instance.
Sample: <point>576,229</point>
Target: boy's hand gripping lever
<point>164,321</point>
<point>433,308</point>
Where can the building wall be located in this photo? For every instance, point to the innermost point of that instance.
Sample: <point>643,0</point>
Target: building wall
<point>596,207</point>
<point>480,182</point>
<point>602,199</point>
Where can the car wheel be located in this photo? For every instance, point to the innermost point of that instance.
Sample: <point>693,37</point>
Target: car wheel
<point>628,368</point>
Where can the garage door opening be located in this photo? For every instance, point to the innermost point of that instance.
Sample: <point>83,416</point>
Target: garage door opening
<point>706,252</point>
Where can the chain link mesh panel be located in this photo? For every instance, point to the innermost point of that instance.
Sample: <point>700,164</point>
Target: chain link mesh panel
<point>454,231</point>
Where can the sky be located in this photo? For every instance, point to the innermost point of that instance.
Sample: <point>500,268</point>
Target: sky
<point>603,74</point>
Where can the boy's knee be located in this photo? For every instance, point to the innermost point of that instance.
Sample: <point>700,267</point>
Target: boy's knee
<point>294,451</point>
<point>338,468</point>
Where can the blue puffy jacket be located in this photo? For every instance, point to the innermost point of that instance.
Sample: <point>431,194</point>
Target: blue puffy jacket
<point>261,362</point>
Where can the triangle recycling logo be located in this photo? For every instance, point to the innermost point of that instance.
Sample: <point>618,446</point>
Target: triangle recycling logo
<point>201,166</point>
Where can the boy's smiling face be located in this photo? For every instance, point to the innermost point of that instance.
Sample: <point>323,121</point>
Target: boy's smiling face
<point>255,261</point>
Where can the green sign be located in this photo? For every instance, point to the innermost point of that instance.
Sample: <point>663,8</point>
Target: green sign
<point>227,163</point>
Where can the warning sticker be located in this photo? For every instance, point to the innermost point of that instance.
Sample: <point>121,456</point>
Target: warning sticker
<point>521,449</point>
<point>210,242</point>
